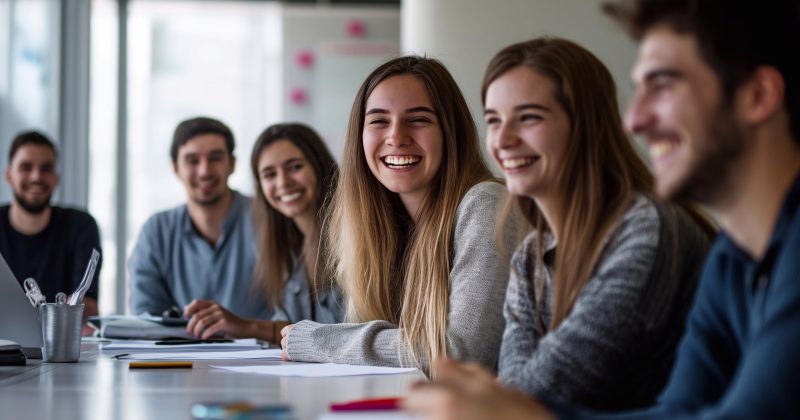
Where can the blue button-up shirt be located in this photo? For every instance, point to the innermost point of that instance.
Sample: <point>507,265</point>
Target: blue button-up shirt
<point>740,357</point>
<point>172,264</point>
<point>325,307</point>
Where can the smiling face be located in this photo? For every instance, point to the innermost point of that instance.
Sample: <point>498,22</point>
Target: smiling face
<point>678,109</point>
<point>32,177</point>
<point>528,131</point>
<point>402,138</point>
<point>287,179</point>
<point>203,165</point>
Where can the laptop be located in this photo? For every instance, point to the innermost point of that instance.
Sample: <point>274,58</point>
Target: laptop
<point>19,320</point>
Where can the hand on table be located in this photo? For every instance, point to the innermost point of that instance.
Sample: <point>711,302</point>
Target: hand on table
<point>207,318</point>
<point>285,341</point>
<point>468,391</point>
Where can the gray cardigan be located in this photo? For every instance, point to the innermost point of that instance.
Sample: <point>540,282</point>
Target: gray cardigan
<point>478,278</point>
<point>616,347</point>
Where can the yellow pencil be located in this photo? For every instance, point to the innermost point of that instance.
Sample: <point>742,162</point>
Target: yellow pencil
<point>159,365</point>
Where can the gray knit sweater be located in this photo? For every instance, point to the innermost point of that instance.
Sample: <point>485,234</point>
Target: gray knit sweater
<point>478,279</point>
<point>616,347</point>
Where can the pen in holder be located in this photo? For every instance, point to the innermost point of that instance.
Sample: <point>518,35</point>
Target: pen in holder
<point>61,331</point>
<point>77,296</point>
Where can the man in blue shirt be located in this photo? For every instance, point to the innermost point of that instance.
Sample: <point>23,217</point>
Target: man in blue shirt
<point>205,249</point>
<point>718,102</point>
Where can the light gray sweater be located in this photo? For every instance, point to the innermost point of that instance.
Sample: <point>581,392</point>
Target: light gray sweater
<point>478,278</point>
<point>616,347</point>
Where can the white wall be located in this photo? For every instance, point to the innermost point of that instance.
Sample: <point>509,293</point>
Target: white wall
<point>341,62</point>
<point>465,34</point>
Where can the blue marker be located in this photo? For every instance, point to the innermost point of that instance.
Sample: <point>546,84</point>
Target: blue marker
<point>241,411</point>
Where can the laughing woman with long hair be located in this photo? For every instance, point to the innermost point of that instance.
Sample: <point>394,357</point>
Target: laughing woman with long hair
<point>412,232</point>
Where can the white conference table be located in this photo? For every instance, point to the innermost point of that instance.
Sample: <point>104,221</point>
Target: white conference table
<point>99,387</point>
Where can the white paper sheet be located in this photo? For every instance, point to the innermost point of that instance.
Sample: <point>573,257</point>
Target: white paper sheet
<point>266,354</point>
<point>145,345</point>
<point>316,370</point>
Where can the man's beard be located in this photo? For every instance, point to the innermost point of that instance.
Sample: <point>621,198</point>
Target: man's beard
<point>30,207</point>
<point>211,201</point>
<point>724,142</point>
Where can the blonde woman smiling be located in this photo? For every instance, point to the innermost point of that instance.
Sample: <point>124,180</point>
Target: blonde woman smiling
<point>412,231</point>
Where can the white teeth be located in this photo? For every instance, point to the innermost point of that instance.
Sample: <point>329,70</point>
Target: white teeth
<point>290,197</point>
<point>401,160</point>
<point>517,162</point>
<point>661,148</point>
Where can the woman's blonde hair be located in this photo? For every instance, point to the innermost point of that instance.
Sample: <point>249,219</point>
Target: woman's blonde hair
<point>389,267</point>
<point>601,171</point>
<point>279,239</point>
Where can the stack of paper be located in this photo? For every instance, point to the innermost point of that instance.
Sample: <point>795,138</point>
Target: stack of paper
<point>268,354</point>
<point>317,370</point>
<point>149,328</point>
<point>144,345</point>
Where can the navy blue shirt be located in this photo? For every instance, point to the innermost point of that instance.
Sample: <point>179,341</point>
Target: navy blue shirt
<point>57,256</point>
<point>740,357</point>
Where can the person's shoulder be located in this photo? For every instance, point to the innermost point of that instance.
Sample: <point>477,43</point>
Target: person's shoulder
<point>243,203</point>
<point>241,198</point>
<point>637,230</point>
<point>643,210</point>
<point>482,194</point>
<point>72,213</point>
<point>71,218</point>
<point>642,218</point>
<point>4,209</point>
<point>485,189</point>
<point>166,219</point>
<point>4,223</point>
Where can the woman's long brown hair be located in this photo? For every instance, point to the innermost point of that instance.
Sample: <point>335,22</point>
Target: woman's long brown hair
<point>389,267</point>
<point>600,174</point>
<point>279,239</point>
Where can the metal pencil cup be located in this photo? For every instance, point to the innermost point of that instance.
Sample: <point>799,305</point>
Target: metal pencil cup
<point>61,332</point>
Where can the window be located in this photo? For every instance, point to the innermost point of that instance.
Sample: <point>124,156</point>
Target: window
<point>235,61</point>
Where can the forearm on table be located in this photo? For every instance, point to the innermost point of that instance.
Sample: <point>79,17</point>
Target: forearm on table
<point>370,343</point>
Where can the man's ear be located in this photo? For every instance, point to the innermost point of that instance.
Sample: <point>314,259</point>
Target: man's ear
<point>233,165</point>
<point>175,167</point>
<point>8,175</point>
<point>761,97</point>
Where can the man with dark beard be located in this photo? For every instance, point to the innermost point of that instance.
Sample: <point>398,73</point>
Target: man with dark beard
<point>204,249</point>
<point>51,244</point>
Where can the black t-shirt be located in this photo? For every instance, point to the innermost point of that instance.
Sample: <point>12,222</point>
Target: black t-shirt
<point>57,256</point>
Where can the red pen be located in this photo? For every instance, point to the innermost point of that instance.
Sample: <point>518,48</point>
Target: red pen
<point>366,405</point>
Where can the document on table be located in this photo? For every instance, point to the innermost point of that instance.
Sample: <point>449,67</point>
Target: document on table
<point>145,345</point>
<point>268,354</point>
<point>317,370</point>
